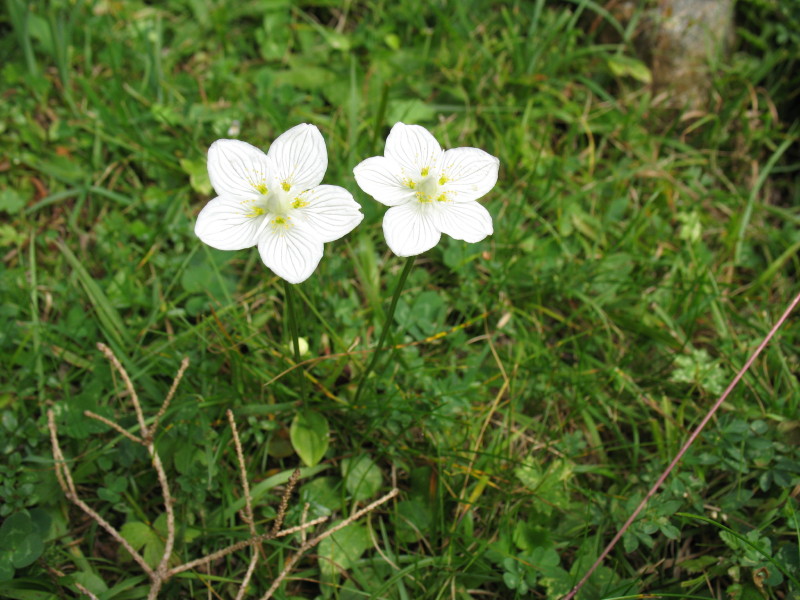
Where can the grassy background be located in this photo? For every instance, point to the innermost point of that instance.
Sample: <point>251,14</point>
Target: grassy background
<point>638,257</point>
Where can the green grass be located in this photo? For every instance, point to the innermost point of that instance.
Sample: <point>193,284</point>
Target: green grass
<point>638,258</point>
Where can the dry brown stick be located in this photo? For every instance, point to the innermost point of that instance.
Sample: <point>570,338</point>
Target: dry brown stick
<point>113,426</point>
<point>327,533</point>
<point>81,589</point>
<point>303,527</point>
<point>184,365</point>
<point>128,384</point>
<point>68,487</point>
<point>240,545</point>
<point>161,572</point>
<point>163,565</point>
<point>247,517</point>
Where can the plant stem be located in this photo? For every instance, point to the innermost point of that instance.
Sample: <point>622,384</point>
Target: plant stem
<point>386,324</point>
<point>684,448</point>
<point>292,318</point>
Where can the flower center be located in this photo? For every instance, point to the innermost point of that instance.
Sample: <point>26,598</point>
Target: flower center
<point>277,202</point>
<point>427,188</point>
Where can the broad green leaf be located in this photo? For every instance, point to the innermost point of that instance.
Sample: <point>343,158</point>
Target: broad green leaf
<point>10,201</point>
<point>412,520</point>
<point>91,581</point>
<point>309,435</point>
<point>362,477</point>
<point>21,539</point>
<point>6,568</point>
<point>144,539</point>
<point>341,551</point>
<point>323,494</point>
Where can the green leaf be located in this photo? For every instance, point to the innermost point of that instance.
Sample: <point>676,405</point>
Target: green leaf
<point>91,581</point>
<point>323,494</point>
<point>362,477</point>
<point>144,539</point>
<point>10,201</point>
<point>309,435</point>
<point>341,551</point>
<point>21,540</point>
<point>626,66</point>
<point>412,519</point>
<point>198,175</point>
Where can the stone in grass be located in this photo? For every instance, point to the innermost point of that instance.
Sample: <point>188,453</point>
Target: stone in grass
<point>678,40</point>
<point>685,37</point>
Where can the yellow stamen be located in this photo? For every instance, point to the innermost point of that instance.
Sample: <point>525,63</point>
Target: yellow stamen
<point>286,186</point>
<point>261,188</point>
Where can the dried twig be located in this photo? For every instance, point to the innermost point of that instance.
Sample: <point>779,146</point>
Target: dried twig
<point>128,384</point>
<point>214,556</point>
<point>64,477</point>
<point>305,547</point>
<point>247,515</point>
<point>162,572</point>
<point>651,492</point>
<point>114,426</point>
<point>170,395</point>
<point>80,587</point>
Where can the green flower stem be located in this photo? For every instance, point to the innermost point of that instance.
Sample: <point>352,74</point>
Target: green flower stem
<point>292,318</point>
<point>386,325</point>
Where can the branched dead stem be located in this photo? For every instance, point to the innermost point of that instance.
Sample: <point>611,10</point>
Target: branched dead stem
<point>162,573</point>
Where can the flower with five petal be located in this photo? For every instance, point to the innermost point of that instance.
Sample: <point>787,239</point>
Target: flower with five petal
<point>429,191</point>
<point>275,201</point>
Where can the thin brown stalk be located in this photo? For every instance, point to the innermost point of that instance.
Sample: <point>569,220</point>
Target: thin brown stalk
<point>247,515</point>
<point>64,477</point>
<point>128,384</point>
<point>114,426</point>
<point>305,547</point>
<point>240,545</point>
<point>81,589</point>
<point>684,448</point>
<point>170,395</point>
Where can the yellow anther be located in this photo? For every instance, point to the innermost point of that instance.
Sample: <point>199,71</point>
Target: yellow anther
<point>286,186</point>
<point>424,171</point>
<point>261,188</point>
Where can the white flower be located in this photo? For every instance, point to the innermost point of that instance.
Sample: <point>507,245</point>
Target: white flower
<point>430,191</point>
<point>274,201</point>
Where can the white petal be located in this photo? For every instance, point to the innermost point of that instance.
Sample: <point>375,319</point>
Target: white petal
<point>470,173</point>
<point>409,229</point>
<point>227,224</point>
<point>413,148</point>
<point>300,157</point>
<point>381,178</point>
<point>468,221</point>
<point>237,170</point>
<point>330,211</point>
<point>291,253</point>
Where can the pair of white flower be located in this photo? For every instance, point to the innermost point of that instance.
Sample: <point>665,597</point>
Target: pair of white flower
<point>275,200</point>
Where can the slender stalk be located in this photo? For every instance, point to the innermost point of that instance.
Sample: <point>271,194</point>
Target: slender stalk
<point>386,325</point>
<point>683,450</point>
<point>291,303</point>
